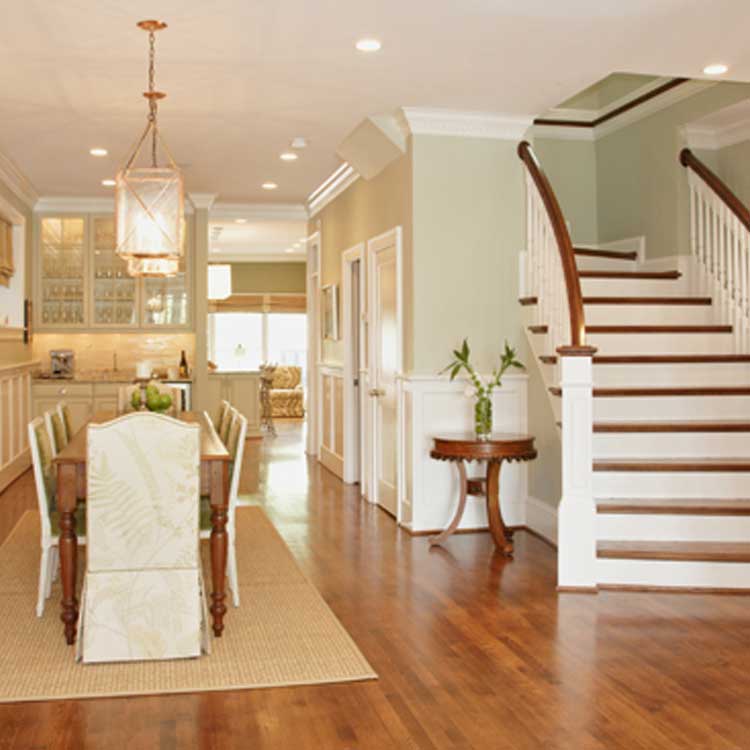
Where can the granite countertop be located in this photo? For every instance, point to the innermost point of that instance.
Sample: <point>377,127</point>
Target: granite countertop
<point>102,376</point>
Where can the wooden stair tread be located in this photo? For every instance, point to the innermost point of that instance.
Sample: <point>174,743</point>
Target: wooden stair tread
<point>629,274</point>
<point>657,359</point>
<point>524,301</point>
<point>690,506</point>
<point>609,254</point>
<point>659,329</point>
<point>689,464</point>
<point>538,329</point>
<point>692,425</point>
<point>647,391</point>
<point>647,300</point>
<point>698,551</point>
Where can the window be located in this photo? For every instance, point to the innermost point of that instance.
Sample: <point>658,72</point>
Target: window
<point>243,341</point>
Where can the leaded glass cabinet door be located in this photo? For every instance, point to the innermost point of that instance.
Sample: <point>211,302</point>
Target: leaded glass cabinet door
<point>166,302</point>
<point>114,291</point>
<point>62,272</point>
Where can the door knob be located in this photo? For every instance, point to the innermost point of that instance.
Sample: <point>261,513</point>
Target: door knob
<point>377,392</point>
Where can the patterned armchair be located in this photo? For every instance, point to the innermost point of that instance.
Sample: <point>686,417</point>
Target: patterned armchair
<point>286,393</point>
<point>143,595</point>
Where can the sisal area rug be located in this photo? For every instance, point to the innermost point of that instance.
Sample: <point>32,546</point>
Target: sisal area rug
<point>283,633</point>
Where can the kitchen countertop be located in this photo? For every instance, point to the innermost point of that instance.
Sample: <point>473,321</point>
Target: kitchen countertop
<point>103,376</point>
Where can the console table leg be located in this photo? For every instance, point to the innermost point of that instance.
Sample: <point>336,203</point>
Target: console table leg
<point>443,535</point>
<point>502,536</point>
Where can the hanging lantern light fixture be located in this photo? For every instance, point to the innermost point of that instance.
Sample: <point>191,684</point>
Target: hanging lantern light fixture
<point>150,200</point>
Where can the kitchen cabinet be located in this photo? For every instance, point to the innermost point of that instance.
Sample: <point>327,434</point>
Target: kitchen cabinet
<point>78,396</point>
<point>81,284</point>
<point>241,389</point>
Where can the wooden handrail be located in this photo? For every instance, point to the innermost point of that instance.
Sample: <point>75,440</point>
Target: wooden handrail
<point>689,160</point>
<point>564,245</point>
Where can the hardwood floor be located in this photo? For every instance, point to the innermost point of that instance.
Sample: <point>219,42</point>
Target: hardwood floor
<point>473,650</point>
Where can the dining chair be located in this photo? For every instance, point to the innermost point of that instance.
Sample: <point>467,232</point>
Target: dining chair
<point>44,479</point>
<point>226,423</point>
<point>143,595</point>
<point>56,430</point>
<point>218,421</point>
<point>64,411</point>
<point>236,448</point>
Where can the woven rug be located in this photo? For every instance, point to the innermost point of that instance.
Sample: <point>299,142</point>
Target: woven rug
<point>283,633</point>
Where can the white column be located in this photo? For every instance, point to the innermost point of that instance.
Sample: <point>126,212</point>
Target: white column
<point>576,535</point>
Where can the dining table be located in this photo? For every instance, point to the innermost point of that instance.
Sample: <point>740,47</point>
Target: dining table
<point>70,465</point>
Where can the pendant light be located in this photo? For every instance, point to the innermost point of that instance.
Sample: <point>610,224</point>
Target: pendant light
<point>149,200</point>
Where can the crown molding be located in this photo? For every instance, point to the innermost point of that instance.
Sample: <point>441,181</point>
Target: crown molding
<point>331,188</point>
<point>202,200</point>
<point>59,204</point>
<point>15,180</point>
<point>462,124</point>
<point>259,211</point>
<point>713,139</point>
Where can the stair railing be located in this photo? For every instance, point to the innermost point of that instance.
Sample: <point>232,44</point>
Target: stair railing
<point>550,274</point>
<point>720,244</point>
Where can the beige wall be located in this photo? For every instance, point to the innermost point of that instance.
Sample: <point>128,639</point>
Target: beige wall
<point>366,209</point>
<point>268,278</point>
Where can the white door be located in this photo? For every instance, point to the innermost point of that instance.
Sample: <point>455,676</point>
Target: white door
<point>312,396</point>
<point>385,365</point>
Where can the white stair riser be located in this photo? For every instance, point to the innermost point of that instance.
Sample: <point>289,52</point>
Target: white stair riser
<point>618,287</point>
<point>661,528</point>
<point>683,374</point>
<point>588,263</point>
<point>650,314</point>
<point>632,408</point>
<point>661,343</point>
<point>671,444</point>
<point>672,573</point>
<point>627,484</point>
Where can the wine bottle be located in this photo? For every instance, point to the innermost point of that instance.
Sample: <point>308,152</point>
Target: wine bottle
<point>183,365</point>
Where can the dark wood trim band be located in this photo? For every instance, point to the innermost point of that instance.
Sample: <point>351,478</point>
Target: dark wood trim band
<point>590,252</point>
<point>647,301</point>
<point>702,551</point>
<point>690,161</point>
<point>644,329</point>
<point>564,244</point>
<point>668,465</point>
<point>630,274</point>
<point>525,301</point>
<point>718,390</point>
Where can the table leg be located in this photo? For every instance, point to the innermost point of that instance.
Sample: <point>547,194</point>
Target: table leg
<point>219,542</point>
<point>502,536</point>
<point>67,482</point>
<point>453,525</point>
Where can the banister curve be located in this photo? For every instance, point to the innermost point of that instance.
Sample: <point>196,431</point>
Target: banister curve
<point>564,244</point>
<point>690,161</point>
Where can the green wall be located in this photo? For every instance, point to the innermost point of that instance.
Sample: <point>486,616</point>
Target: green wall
<point>732,164</point>
<point>268,278</point>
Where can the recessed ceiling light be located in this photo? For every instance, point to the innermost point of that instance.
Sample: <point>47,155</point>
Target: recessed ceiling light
<point>98,152</point>
<point>368,45</point>
<point>108,183</point>
<point>240,221</point>
<point>288,156</point>
<point>715,69</point>
<point>269,186</point>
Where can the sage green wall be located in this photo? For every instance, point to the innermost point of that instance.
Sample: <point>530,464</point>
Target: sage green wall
<point>268,278</point>
<point>642,189</point>
<point>469,224</point>
<point>364,210</point>
<point>733,166</point>
<point>571,168</point>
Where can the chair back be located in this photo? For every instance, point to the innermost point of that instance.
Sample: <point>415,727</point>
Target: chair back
<point>64,411</point>
<point>225,422</point>
<point>44,476</point>
<point>56,430</point>
<point>236,448</point>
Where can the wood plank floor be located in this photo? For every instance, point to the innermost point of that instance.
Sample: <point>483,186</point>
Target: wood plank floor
<point>472,651</point>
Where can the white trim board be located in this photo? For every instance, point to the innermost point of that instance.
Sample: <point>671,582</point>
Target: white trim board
<point>463,124</point>
<point>258,211</point>
<point>331,188</point>
<point>15,180</point>
<point>541,518</point>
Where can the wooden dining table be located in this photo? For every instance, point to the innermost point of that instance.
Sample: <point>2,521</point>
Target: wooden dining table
<point>70,464</point>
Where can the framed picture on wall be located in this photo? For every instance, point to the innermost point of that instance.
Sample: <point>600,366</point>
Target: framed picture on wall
<point>330,309</point>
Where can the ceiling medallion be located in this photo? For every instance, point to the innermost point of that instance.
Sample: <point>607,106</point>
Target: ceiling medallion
<point>150,200</point>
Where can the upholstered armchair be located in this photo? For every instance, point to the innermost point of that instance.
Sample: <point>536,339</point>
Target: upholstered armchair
<point>143,595</point>
<point>286,392</point>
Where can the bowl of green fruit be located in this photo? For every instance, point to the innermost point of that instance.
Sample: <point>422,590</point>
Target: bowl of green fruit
<point>155,400</point>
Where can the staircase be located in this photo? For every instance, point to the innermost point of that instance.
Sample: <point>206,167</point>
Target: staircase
<point>670,434</point>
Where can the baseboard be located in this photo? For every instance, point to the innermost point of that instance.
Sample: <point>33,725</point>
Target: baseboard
<point>434,532</point>
<point>14,469</point>
<point>625,587</point>
<point>333,462</point>
<point>541,519</point>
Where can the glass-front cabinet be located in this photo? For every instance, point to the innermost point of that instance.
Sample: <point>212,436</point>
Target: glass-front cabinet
<point>63,272</point>
<point>83,283</point>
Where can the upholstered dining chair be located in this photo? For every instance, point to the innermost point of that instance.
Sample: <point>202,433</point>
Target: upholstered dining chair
<point>143,595</point>
<point>44,479</point>
<point>236,446</point>
<point>226,422</point>
<point>67,418</point>
<point>56,430</point>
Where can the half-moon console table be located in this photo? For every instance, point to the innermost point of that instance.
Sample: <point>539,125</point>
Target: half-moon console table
<point>462,449</point>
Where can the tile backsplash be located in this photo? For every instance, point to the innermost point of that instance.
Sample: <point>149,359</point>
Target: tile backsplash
<point>94,351</point>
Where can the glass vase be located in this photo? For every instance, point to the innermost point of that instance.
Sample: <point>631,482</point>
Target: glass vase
<point>483,418</point>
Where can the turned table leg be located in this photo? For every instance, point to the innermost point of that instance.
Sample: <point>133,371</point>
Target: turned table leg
<point>453,525</point>
<point>502,536</point>
<point>219,542</point>
<point>66,501</point>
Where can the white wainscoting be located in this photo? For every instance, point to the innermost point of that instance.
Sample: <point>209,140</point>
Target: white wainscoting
<point>15,414</point>
<point>432,405</point>
<point>331,392</point>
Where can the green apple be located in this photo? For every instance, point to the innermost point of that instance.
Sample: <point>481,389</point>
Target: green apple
<point>135,399</point>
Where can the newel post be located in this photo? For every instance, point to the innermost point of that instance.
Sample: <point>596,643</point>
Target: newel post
<point>576,525</point>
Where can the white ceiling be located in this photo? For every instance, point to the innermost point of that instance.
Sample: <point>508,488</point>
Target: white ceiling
<point>246,76</point>
<point>258,240</point>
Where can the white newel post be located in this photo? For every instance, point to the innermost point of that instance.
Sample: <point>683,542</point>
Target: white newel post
<point>576,535</point>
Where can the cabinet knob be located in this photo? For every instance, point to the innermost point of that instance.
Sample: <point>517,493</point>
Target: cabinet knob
<point>63,391</point>
<point>377,392</point>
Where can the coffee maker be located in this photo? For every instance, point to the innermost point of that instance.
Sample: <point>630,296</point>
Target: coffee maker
<point>62,363</point>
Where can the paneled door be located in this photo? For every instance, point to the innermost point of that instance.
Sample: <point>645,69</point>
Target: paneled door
<point>385,365</point>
